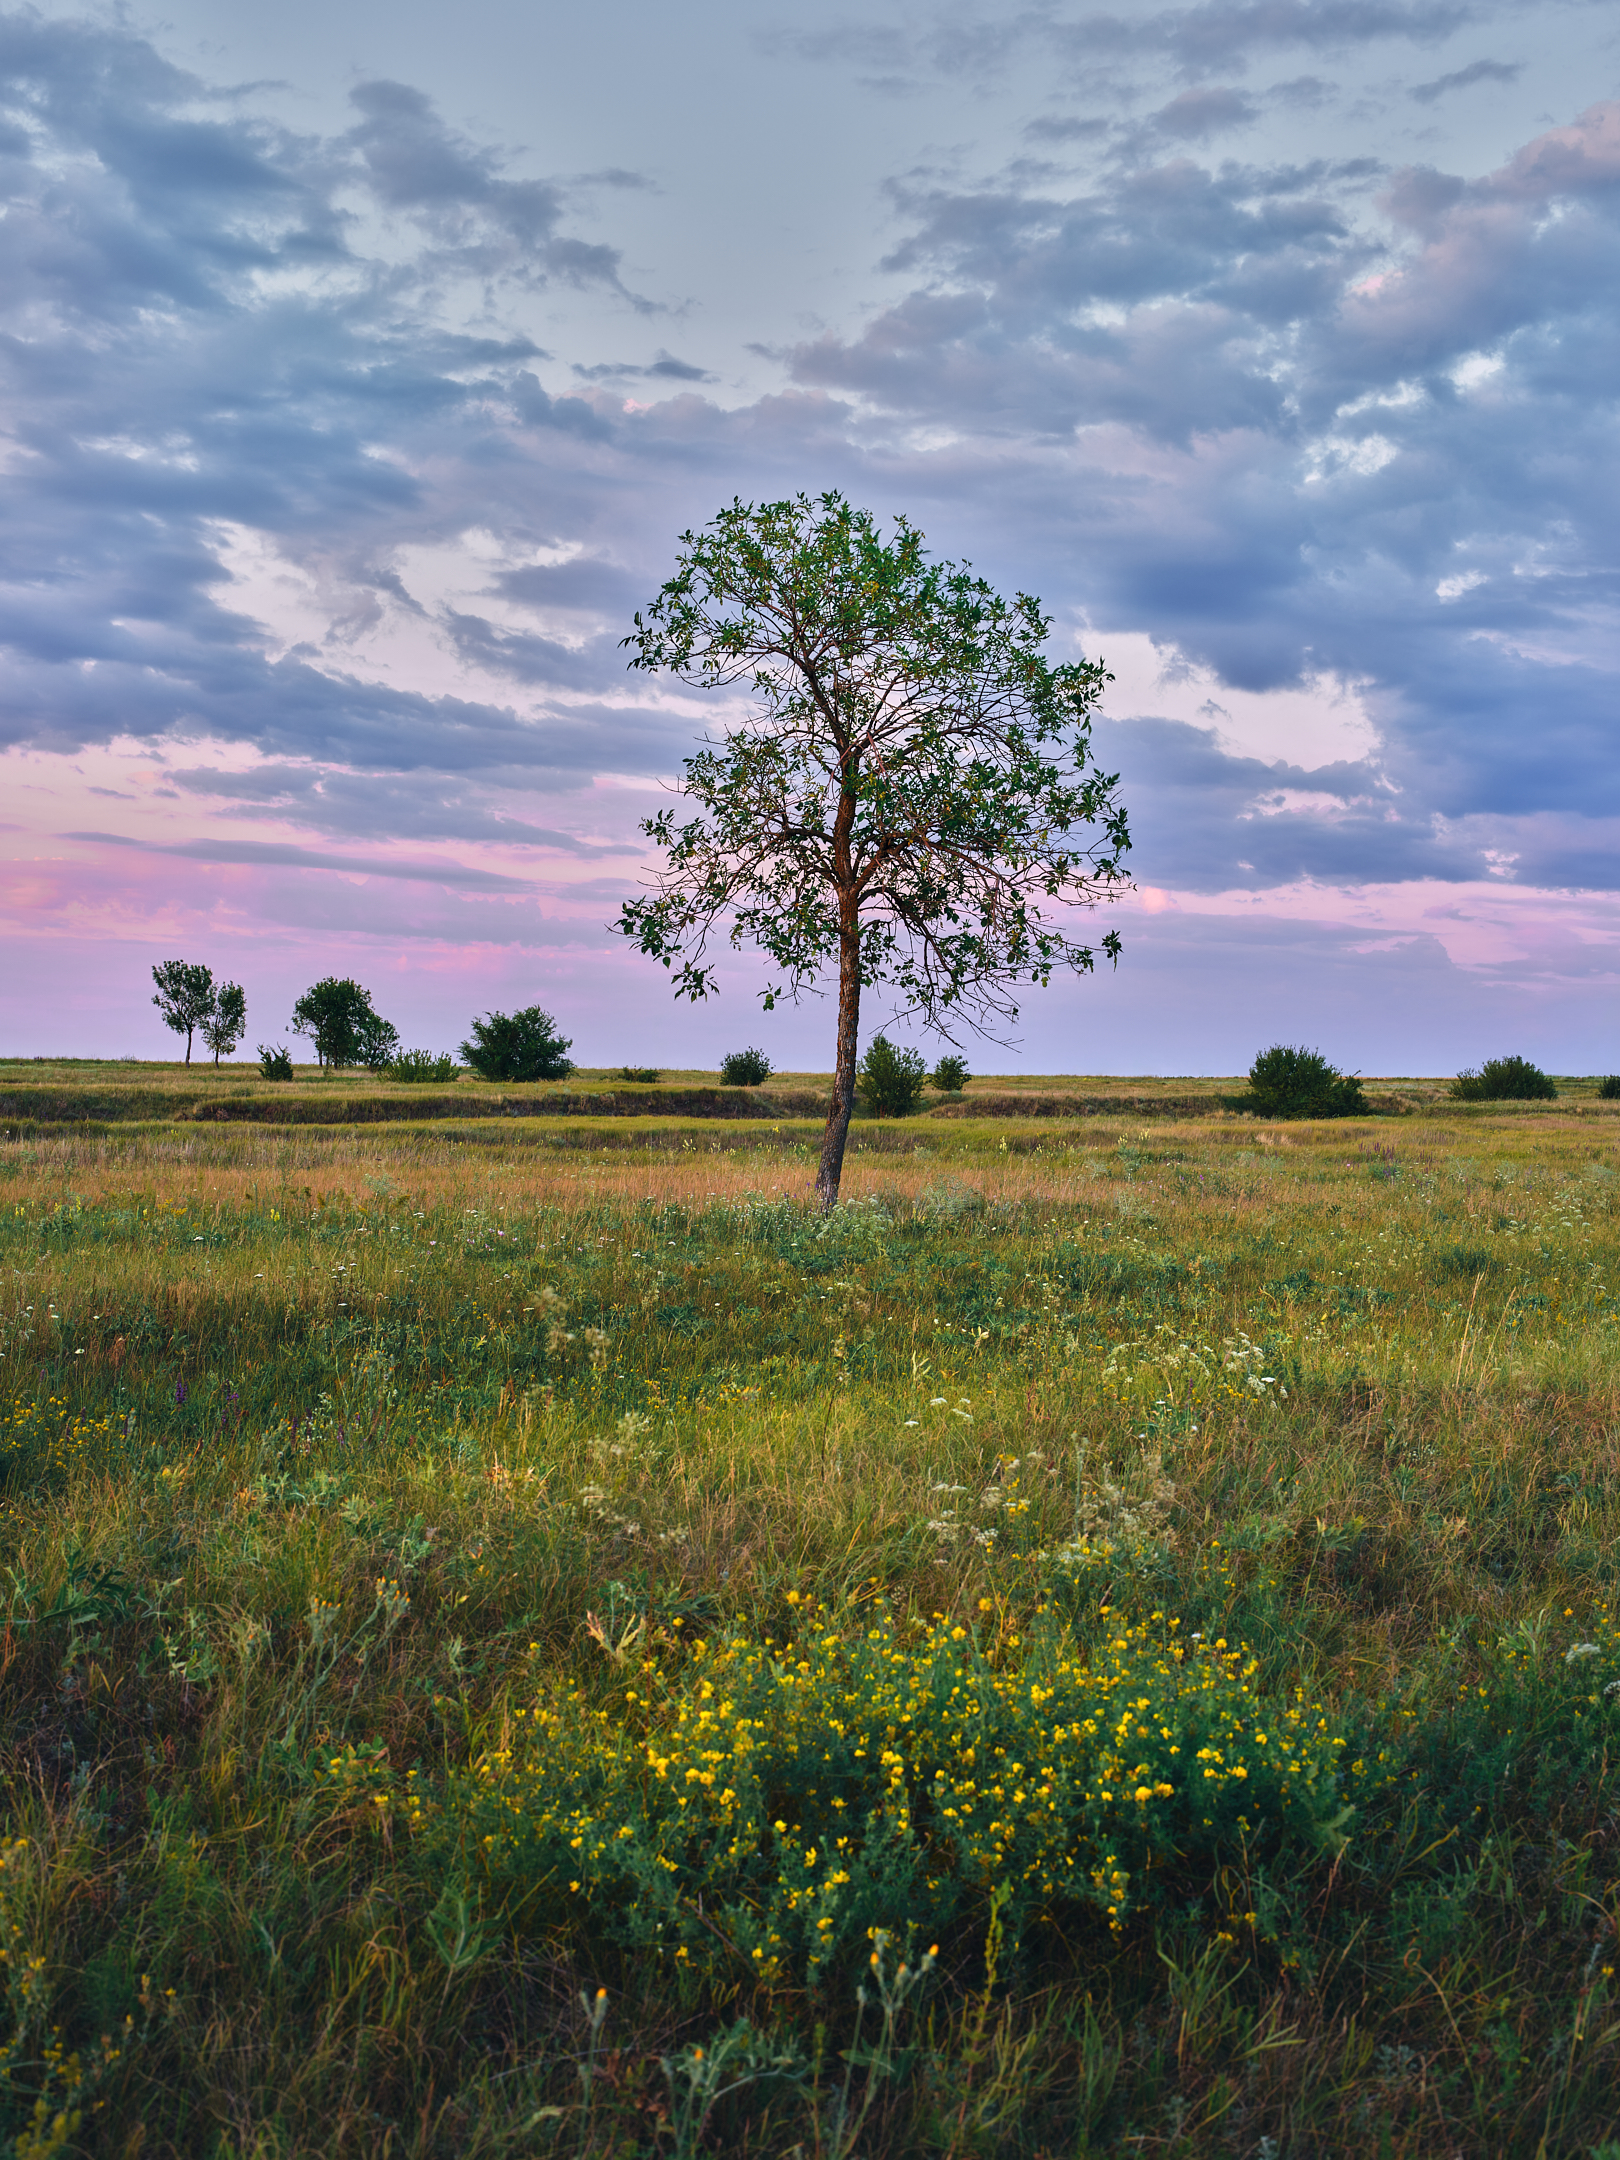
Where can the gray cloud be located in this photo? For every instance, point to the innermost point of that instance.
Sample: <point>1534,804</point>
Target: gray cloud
<point>1219,35</point>
<point>1055,128</point>
<point>281,854</point>
<point>1289,426</point>
<point>1463,78</point>
<point>1306,93</point>
<point>1196,115</point>
<point>1214,822</point>
<point>1323,491</point>
<point>420,806</point>
<point>162,391</point>
<point>457,192</point>
<point>665,368</point>
<point>1224,30</point>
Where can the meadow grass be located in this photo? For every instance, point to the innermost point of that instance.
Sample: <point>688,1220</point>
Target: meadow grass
<point>530,1641</point>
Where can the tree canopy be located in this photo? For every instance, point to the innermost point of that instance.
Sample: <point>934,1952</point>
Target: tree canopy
<point>185,996</point>
<point>1289,1081</point>
<point>518,1046</point>
<point>1504,1079</point>
<point>338,1016</point>
<point>909,791</point>
<point>226,1023</point>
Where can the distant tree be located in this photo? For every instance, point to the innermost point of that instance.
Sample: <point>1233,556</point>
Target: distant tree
<point>185,997</point>
<point>227,1023</point>
<point>1505,1079</point>
<point>275,1061</point>
<point>950,1076</point>
<point>518,1046</point>
<point>910,797</point>
<point>744,1068</point>
<point>338,1017</point>
<point>376,1041</point>
<point>1287,1082</point>
<point>892,1080</point>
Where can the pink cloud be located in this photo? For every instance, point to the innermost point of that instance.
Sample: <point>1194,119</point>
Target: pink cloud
<point>1488,254</point>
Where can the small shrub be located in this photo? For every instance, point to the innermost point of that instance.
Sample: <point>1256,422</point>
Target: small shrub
<point>1609,1088</point>
<point>417,1066</point>
<point>644,1073</point>
<point>1289,1082</point>
<point>891,1080</point>
<point>949,1198</point>
<point>950,1076</point>
<point>518,1046</point>
<point>276,1064</point>
<point>745,1068</point>
<point>1508,1079</point>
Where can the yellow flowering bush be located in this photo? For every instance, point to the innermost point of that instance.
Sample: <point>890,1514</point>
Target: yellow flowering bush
<point>47,1439</point>
<point>779,1800</point>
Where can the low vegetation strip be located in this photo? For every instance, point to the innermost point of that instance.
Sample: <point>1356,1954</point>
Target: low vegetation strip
<point>375,1105</point>
<point>365,1100</point>
<point>1104,1644</point>
<point>986,1102</point>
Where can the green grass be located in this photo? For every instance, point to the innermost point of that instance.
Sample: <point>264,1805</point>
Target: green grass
<point>532,1641</point>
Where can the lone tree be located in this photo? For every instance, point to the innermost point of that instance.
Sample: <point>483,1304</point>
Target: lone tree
<point>1504,1079</point>
<point>338,1016</point>
<point>1289,1081</point>
<point>185,996</point>
<point>518,1046</point>
<point>910,792</point>
<point>227,1023</point>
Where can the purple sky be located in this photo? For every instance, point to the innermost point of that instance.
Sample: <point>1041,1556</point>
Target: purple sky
<point>362,365</point>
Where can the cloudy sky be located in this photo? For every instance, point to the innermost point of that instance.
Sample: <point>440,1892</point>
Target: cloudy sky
<point>362,364</point>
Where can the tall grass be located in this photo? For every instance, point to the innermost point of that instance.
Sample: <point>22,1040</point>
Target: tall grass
<point>892,1607</point>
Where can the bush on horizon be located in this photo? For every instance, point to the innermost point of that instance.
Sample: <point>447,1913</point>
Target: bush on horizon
<point>891,1080</point>
<point>518,1046</point>
<point>418,1066</point>
<point>339,1018</point>
<point>745,1068</point>
<point>1506,1079</point>
<point>1289,1081</point>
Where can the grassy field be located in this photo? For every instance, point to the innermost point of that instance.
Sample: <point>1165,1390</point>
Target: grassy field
<point>524,1639</point>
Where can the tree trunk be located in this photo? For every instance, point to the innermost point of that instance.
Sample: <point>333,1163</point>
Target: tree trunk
<point>188,1046</point>
<point>831,1168</point>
